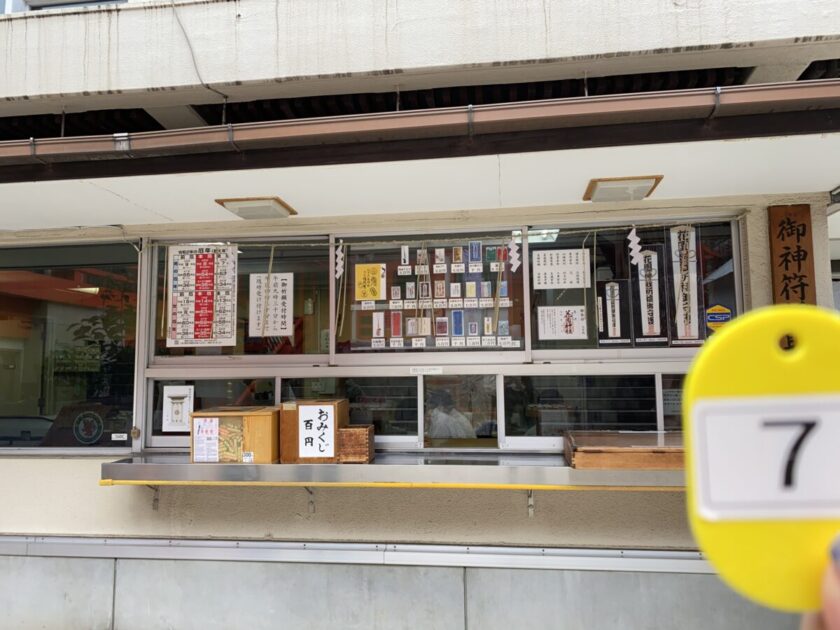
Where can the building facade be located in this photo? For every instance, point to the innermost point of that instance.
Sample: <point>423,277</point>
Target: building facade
<point>411,174</point>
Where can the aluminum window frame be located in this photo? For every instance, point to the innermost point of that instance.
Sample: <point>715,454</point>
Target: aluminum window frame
<point>321,358</point>
<point>527,362</point>
<point>438,357</point>
<point>633,353</point>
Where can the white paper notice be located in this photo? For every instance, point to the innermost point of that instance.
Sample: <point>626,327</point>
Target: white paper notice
<point>771,457</point>
<point>271,305</point>
<point>649,293</point>
<point>613,310</point>
<point>177,408</point>
<point>684,250</point>
<point>600,317</point>
<point>561,322</point>
<point>201,292</point>
<point>205,437</point>
<point>561,269</point>
<point>316,431</point>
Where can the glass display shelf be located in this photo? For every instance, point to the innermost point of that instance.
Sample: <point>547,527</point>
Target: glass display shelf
<point>500,471</point>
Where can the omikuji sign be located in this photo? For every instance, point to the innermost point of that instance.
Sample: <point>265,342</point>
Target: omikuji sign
<point>792,254</point>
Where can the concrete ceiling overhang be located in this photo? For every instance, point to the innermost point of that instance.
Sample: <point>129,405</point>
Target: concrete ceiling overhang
<point>781,165</point>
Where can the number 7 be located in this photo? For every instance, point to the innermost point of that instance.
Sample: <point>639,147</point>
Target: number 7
<point>807,426</point>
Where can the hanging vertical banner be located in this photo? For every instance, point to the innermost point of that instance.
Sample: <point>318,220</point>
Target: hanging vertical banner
<point>271,305</point>
<point>613,304</point>
<point>649,294</point>
<point>613,312</point>
<point>370,282</point>
<point>649,289</point>
<point>202,295</point>
<point>792,254</point>
<point>600,316</point>
<point>684,259</point>
<point>561,269</point>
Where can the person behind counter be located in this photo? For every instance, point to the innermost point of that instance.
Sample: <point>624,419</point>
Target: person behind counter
<point>445,420</point>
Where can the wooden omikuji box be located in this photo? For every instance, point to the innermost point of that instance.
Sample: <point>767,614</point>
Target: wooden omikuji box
<point>235,435</point>
<point>309,430</point>
<point>355,444</point>
<point>639,450</point>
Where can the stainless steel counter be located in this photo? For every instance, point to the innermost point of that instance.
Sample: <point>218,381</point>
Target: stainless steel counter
<point>395,470</point>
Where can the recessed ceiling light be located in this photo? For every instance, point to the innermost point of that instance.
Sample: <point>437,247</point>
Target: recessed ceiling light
<point>621,188</point>
<point>252,208</point>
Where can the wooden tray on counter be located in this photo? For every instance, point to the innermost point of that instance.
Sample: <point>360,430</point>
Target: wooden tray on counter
<point>638,450</point>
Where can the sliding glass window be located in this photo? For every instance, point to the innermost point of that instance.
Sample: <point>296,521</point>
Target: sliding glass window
<point>613,287</point>
<point>279,301</point>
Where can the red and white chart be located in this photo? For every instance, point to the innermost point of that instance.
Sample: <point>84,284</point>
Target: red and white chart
<point>202,296</point>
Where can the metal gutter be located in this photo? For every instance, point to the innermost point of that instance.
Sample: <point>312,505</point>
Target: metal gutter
<point>439,123</point>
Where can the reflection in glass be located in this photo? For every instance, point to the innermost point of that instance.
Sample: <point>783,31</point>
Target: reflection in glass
<point>388,403</point>
<point>67,318</point>
<point>672,385</point>
<point>549,405</point>
<point>460,411</point>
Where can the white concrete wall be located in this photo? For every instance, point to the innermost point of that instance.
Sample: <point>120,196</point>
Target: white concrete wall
<point>257,48</point>
<point>62,497</point>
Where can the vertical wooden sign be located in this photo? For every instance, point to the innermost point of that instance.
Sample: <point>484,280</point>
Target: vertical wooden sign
<point>792,254</point>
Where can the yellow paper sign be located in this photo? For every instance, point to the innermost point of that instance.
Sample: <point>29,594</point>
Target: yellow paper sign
<point>370,282</point>
<point>762,426</point>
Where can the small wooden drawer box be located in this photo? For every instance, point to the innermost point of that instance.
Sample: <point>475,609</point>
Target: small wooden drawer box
<point>235,435</point>
<point>309,430</point>
<point>355,444</point>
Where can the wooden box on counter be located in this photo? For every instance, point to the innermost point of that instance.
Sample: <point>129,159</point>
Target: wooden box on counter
<point>355,444</point>
<point>235,435</point>
<point>309,430</point>
<point>639,450</point>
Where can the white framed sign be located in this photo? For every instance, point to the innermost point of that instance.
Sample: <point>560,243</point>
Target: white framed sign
<point>561,269</point>
<point>316,431</point>
<point>177,408</point>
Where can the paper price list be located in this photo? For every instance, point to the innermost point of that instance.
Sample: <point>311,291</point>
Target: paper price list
<point>202,290</point>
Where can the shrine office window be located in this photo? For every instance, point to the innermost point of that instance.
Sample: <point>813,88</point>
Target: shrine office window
<point>599,289</point>
<point>67,342</point>
<point>268,299</point>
